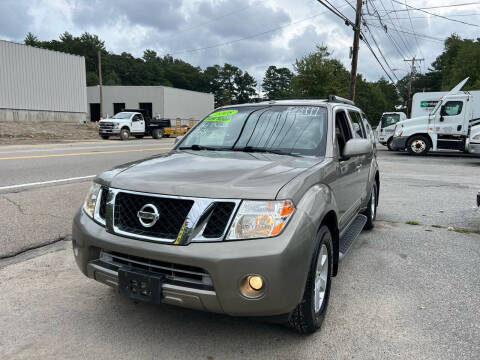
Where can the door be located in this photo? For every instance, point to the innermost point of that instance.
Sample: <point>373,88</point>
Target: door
<point>452,118</point>
<point>148,109</point>
<point>118,107</point>
<point>138,124</point>
<point>94,112</point>
<point>360,132</point>
<point>346,187</point>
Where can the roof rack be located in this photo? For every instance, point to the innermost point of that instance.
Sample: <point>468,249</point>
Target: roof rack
<point>338,99</point>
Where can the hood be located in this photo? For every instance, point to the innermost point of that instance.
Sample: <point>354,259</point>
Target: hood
<point>413,121</point>
<point>213,174</point>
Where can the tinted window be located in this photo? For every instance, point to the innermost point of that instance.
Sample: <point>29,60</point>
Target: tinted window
<point>357,124</point>
<point>452,108</point>
<point>292,129</point>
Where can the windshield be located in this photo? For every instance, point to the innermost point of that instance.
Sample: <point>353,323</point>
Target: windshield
<point>389,119</point>
<point>122,115</point>
<point>295,130</point>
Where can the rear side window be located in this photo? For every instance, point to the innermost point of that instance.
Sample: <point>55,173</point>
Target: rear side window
<point>357,124</point>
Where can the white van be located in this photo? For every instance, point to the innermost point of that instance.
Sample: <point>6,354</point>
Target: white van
<point>386,126</point>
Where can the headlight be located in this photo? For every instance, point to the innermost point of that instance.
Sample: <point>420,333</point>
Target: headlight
<point>116,125</point>
<point>398,130</point>
<point>476,137</point>
<point>260,219</point>
<point>91,200</point>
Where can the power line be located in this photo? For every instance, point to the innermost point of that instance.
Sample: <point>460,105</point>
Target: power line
<point>441,16</point>
<point>246,37</point>
<point>433,7</point>
<point>380,51</point>
<point>422,36</point>
<point>413,30</point>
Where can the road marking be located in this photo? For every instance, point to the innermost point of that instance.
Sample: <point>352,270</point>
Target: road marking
<point>46,182</point>
<point>81,153</point>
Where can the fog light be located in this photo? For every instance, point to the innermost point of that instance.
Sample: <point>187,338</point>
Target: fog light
<point>255,282</point>
<point>252,286</point>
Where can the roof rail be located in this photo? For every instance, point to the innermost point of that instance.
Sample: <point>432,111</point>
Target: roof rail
<point>338,99</point>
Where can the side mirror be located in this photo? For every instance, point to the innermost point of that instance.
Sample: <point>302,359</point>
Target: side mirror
<point>178,138</point>
<point>357,147</point>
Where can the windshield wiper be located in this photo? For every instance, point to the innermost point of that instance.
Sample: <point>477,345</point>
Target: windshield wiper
<point>263,150</point>
<point>196,147</point>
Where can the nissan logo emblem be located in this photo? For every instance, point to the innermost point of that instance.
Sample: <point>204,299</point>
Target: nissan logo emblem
<point>148,215</point>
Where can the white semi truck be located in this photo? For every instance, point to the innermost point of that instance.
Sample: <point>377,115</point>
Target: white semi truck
<point>451,124</point>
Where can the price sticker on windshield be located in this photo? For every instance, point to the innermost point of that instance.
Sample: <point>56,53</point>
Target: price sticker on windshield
<point>221,116</point>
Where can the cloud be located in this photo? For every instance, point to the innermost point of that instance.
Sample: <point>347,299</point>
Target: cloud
<point>178,26</point>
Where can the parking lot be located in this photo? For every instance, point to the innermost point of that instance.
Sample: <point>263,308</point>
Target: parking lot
<point>407,289</point>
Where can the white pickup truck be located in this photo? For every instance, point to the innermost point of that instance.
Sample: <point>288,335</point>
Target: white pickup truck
<point>386,127</point>
<point>451,125</point>
<point>132,122</point>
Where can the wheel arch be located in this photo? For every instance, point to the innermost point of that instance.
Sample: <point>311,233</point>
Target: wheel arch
<point>330,221</point>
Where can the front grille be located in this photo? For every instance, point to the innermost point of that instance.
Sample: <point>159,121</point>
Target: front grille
<point>173,213</point>
<point>219,220</point>
<point>175,274</point>
<point>106,126</point>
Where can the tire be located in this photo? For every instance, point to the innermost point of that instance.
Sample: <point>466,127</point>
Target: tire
<point>157,133</point>
<point>124,134</point>
<point>139,136</point>
<point>105,137</point>
<point>418,145</point>
<point>308,316</point>
<point>389,144</point>
<point>371,212</point>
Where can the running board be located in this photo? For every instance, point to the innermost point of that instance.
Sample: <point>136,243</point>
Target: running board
<point>351,234</point>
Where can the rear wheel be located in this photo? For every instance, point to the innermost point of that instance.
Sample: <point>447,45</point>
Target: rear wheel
<point>124,134</point>
<point>308,316</point>
<point>157,133</point>
<point>418,145</point>
<point>371,212</point>
<point>390,144</point>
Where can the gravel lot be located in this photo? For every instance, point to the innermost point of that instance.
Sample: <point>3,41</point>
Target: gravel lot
<point>403,291</point>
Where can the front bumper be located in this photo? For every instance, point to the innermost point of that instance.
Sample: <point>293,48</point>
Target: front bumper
<point>399,142</point>
<point>109,131</point>
<point>283,261</point>
<point>474,148</point>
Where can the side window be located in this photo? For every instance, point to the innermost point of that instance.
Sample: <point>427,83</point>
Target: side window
<point>367,125</point>
<point>452,108</point>
<point>342,130</point>
<point>357,124</point>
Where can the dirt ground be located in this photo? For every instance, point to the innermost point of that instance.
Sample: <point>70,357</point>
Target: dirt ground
<point>44,132</point>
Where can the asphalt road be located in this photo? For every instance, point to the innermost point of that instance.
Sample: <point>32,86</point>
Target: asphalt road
<point>403,291</point>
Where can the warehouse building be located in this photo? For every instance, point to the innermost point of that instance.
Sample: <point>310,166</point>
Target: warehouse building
<point>158,101</point>
<point>41,85</point>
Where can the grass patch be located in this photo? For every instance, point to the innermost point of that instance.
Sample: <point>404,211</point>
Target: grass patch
<point>412,222</point>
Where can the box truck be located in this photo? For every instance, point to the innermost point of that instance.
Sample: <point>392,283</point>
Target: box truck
<point>386,126</point>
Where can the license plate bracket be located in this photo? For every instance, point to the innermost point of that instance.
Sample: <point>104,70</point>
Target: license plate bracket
<point>140,284</point>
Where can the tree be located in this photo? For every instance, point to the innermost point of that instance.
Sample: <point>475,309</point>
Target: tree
<point>31,40</point>
<point>245,87</point>
<point>319,76</point>
<point>277,82</point>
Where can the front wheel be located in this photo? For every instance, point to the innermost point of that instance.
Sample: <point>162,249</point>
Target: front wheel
<point>308,316</point>
<point>371,212</point>
<point>418,145</point>
<point>390,144</point>
<point>124,134</point>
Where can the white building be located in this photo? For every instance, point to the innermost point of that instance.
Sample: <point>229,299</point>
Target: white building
<point>162,101</point>
<point>41,85</point>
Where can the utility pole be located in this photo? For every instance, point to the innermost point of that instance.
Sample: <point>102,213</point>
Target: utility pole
<point>101,83</point>
<point>356,41</point>
<point>412,73</point>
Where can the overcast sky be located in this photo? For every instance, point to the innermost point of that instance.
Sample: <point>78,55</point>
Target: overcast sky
<point>181,27</point>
